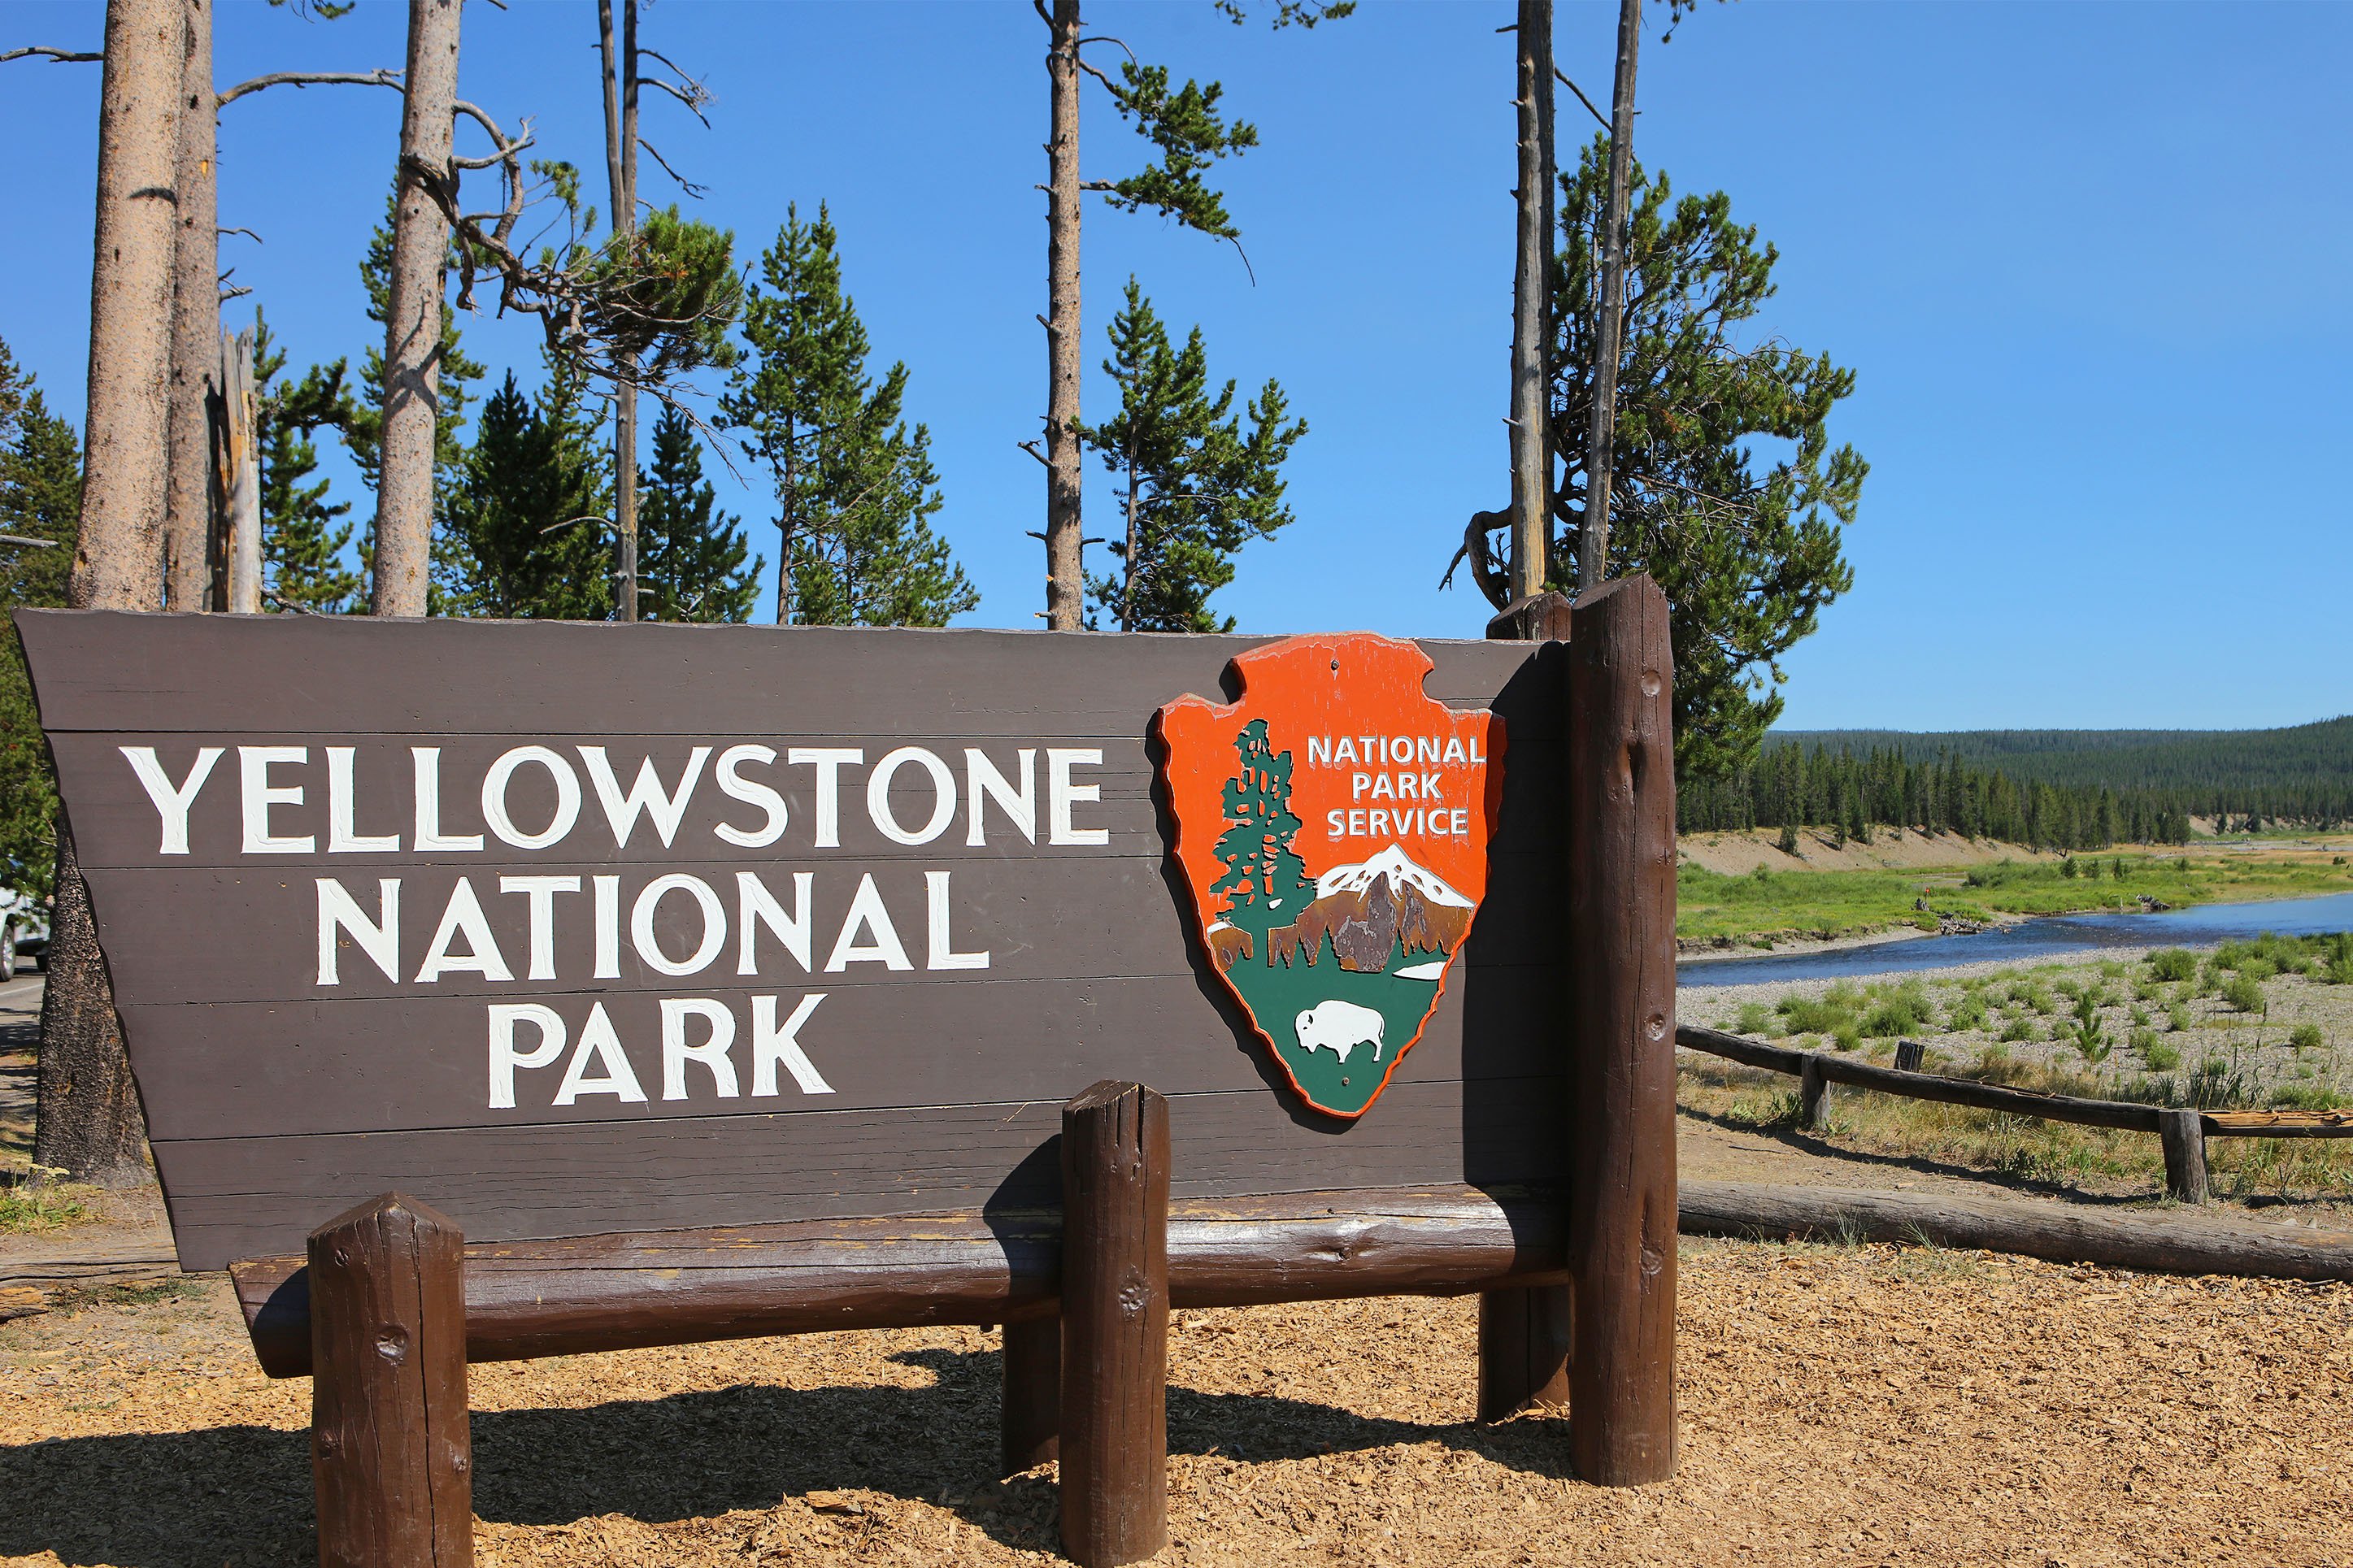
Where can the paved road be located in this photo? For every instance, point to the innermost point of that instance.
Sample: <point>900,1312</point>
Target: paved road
<point>20,1025</point>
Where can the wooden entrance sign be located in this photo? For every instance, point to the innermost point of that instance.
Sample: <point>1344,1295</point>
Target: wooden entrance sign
<point>726,981</point>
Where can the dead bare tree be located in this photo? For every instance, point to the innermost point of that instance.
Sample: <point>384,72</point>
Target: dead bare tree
<point>1593,538</point>
<point>412,336</point>
<point>189,554</point>
<point>1530,419</point>
<point>621,172</point>
<point>87,1112</point>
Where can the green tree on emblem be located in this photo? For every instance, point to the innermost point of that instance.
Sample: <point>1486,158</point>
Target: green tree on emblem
<point>1266,885</point>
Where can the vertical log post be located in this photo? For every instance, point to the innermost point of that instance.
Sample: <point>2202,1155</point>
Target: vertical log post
<point>1813,1095</point>
<point>2184,1133</point>
<point>1115,1417</point>
<point>1032,1414</point>
<point>1621,948</point>
<point>391,1455</point>
<point>1524,1333</point>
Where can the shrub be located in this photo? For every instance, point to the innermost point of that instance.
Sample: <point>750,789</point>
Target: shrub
<point>1901,1012</point>
<point>2305,1037</point>
<point>2244,994</point>
<point>1787,842</point>
<point>2306,1097</point>
<point>2160,1057</point>
<point>2141,1017</point>
<point>2176,1017</point>
<point>2018,1029</point>
<point>1844,1037</point>
<point>1810,1015</point>
<point>2173,964</point>
<point>1755,1018</point>
<point>1966,1011</point>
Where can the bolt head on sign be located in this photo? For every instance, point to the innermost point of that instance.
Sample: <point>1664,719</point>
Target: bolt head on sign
<point>1333,827</point>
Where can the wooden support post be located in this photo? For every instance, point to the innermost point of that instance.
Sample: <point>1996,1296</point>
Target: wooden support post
<point>391,1456</point>
<point>2184,1133</point>
<point>1523,1332</point>
<point>1621,987</point>
<point>1114,1325</point>
<point>1524,1344</point>
<point>1032,1413</point>
<point>1813,1095</point>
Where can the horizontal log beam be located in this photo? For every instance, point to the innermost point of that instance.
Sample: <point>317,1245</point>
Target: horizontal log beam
<point>2126,1115</point>
<point>565,1297</point>
<point>2129,1116</point>
<point>2167,1243</point>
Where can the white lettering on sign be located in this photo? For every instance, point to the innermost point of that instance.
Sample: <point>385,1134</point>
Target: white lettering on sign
<point>536,929</point>
<point>172,801</point>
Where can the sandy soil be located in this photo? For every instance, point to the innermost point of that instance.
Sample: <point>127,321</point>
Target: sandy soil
<point>1865,1407</point>
<point>1737,854</point>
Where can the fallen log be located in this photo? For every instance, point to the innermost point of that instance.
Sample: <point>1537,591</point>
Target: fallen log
<point>2163,1243</point>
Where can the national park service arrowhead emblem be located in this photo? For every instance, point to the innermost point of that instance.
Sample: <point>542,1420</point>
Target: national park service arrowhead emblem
<point>1333,827</point>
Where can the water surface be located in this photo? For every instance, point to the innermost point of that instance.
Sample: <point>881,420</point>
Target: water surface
<point>2045,937</point>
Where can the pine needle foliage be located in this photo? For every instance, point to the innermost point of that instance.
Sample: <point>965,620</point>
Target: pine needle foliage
<point>854,485</point>
<point>40,498</point>
<point>1747,551</point>
<point>526,533</point>
<point>302,535</point>
<point>1195,485</point>
<point>691,557</point>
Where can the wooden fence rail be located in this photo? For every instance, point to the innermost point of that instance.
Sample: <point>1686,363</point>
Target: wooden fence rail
<point>2184,1130</point>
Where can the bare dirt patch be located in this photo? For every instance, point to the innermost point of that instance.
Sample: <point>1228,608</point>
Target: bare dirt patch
<point>1871,1406</point>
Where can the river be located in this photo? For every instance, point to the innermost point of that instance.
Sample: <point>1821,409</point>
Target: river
<point>2045,937</point>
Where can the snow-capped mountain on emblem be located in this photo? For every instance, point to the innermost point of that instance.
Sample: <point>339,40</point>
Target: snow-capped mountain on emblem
<point>1339,956</point>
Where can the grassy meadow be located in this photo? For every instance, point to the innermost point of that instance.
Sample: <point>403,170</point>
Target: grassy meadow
<point>1716,910</point>
<point>2247,1025</point>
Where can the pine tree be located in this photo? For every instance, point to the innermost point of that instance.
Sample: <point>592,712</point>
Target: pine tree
<point>1194,487</point>
<point>1265,881</point>
<point>855,488</point>
<point>303,540</point>
<point>690,556</point>
<point>525,533</point>
<point>40,498</point>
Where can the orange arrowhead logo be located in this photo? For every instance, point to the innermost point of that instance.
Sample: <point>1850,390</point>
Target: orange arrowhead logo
<point>1333,826</point>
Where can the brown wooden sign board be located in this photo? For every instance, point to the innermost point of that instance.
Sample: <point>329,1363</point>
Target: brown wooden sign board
<point>693,981</point>
<point>687,970</point>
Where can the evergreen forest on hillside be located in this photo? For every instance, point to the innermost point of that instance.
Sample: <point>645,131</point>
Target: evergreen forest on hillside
<point>2052,789</point>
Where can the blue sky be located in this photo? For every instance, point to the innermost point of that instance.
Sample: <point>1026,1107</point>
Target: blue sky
<point>2088,261</point>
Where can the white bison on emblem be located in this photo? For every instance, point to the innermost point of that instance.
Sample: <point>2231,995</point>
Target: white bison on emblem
<point>1339,1027</point>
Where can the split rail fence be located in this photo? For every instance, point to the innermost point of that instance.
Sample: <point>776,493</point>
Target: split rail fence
<point>2183,1129</point>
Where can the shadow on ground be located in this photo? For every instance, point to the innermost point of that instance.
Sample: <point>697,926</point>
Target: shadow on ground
<point>242,1494</point>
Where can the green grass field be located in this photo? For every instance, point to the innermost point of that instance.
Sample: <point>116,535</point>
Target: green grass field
<point>1753,909</point>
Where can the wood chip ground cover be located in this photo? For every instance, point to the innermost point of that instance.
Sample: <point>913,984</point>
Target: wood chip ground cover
<point>1873,1406</point>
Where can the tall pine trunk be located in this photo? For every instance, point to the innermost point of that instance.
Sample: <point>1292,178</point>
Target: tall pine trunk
<point>412,331</point>
<point>87,1111</point>
<point>621,168</point>
<point>189,550</point>
<point>1065,569</point>
<point>1593,534</point>
<point>1531,298</point>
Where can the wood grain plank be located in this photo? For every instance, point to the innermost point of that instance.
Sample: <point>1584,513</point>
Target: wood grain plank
<point>235,1198</point>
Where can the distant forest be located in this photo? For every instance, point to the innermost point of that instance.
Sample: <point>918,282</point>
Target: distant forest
<point>2059,789</point>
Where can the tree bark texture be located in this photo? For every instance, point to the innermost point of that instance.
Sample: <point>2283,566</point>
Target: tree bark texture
<point>1531,301</point>
<point>1114,1325</point>
<point>1593,535</point>
<point>188,545</point>
<point>1031,1421</point>
<point>621,172</point>
<point>119,562</point>
<point>242,474</point>
<point>1066,585</point>
<point>87,1118</point>
<point>1621,942</point>
<point>2183,1132</point>
<point>412,334</point>
<point>391,1452</point>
